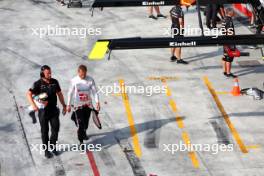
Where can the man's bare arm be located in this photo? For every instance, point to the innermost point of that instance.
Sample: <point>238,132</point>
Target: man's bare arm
<point>181,21</point>
<point>61,98</point>
<point>70,94</point>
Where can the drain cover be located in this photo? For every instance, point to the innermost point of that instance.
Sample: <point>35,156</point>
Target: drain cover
<point>249,63</point>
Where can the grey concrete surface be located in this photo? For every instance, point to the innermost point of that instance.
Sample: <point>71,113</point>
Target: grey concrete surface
<point>22,54</point>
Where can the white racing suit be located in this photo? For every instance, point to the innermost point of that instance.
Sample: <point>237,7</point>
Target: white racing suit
<point>80,96</point>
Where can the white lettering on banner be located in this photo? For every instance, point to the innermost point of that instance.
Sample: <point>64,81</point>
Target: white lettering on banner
<point>153,3</point>
<point>193,43</point>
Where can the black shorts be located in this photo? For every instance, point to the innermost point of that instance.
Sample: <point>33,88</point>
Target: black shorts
<point>228,59</point>
<point>176,31</point>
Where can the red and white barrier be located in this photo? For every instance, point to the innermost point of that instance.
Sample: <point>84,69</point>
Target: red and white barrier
<point>244,9</point>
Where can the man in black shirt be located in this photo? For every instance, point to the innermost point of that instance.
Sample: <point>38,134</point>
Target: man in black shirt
<point>177,30</point>
<point>49,113</point>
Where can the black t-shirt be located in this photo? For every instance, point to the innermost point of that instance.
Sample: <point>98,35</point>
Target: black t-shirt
<point>228,25</point>
<point>51,88</point>
<point>176,13</point>
<point>230,30</point>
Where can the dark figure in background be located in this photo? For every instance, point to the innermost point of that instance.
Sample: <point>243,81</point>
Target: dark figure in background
<point>230,30</point>
<point>259,25</point>
<point>211,14</point>
<point>177,30</point>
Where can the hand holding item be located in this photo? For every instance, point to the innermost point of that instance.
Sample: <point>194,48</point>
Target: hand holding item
<point>68,108</point>
<point>64,110</point>
<point>40,102</point>
<point>35,108</point>
<point>98,107</point>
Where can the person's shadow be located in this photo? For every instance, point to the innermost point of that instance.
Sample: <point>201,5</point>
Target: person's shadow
<point>108,139</point>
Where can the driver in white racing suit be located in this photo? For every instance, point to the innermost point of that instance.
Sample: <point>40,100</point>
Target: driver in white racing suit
<point>80,95</point>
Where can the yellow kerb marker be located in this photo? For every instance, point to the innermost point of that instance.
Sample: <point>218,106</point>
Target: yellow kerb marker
<point>99,50</point>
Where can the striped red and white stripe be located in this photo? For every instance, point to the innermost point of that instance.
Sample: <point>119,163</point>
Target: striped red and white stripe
<point>244,9</point>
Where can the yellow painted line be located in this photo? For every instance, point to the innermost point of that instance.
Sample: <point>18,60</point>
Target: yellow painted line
<point>133,130</point>
<point>222,92</point>
<point>253,146</point>
<point>173,105</point>
<point>163,78</point>
<point>232,128</point>
<point>180,123</point>
<point>116,94</point>
<point>168,91</point>
<point>99,50</point>
<point>191,154</point>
